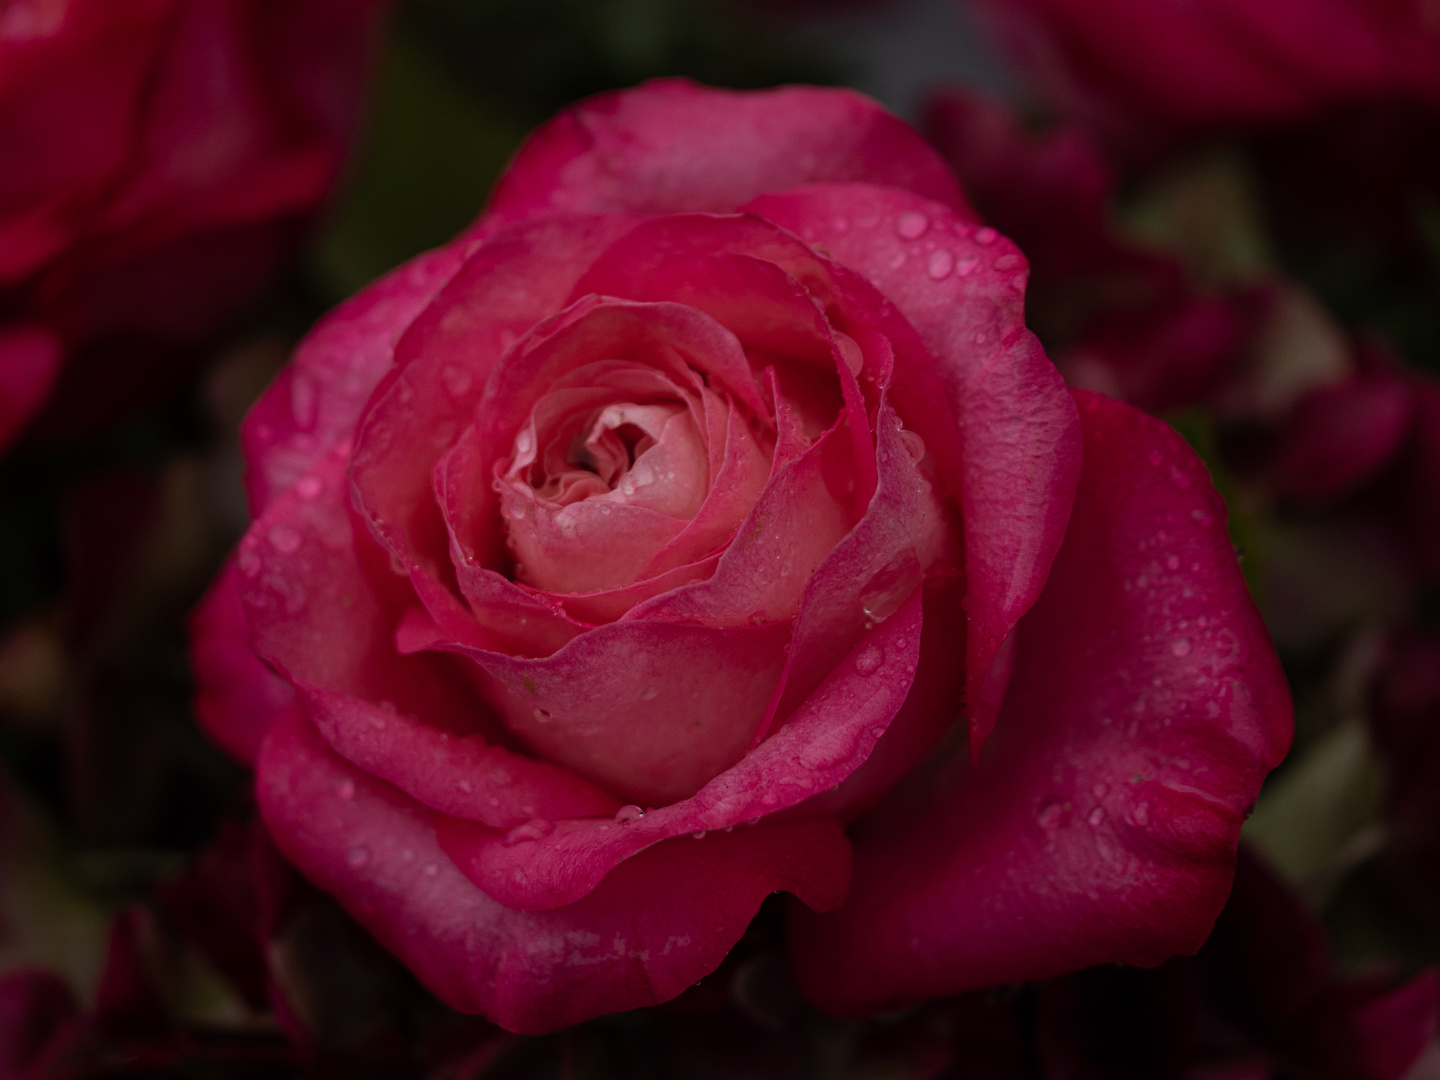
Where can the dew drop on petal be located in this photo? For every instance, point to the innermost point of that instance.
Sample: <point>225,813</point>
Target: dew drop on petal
<point>541,716</point>
<point>1101,790</point>
<point>431,869</point>
<point>986,235</point>
<point>1173,562</point>
<point>698,834</point>
<point>530,831</point>
<point>1180,646</point>
<point>911,225</point>
<point>248,562</point>
<point>770,799</point>
<point>345,788</point>
<point>285,538</point>
<point>457,380</point>
<point>627,814</point>
<point>357,857</point>
<point>966,265</point>
<point>1097,816</point>
<point>308,487</point>
<point>940,264</point>
<point>869,660</point>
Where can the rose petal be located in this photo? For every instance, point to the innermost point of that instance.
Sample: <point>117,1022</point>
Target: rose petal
<point>461,775</point>
<point>1101,824</point>
<point>671,146</point>
<point>633,706</point>
<point>317,400</point>
<point>515,279</point>
<point>870,573</point>
<point>236,696</point>
<point>1019,433</point>
<point>667,336</point>
<point>660,922</point>
<point>830,736</point>
<point>322,612</point>
<point>30,361</point>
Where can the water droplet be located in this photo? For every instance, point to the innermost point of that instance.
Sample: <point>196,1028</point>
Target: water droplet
<point>541,716</point>
<point>966,265</point>
<point>627,814</point>
<point>698,834</point>
<point>898,261</point>
<point>1007,262</point>
<point>986,235</point>
<point>869,660</point>
<point>911,225</point>
<point>406,854</point>
<point>891,586</point>
<point>530,831</point>
<point>1179,478</point>
<point>308,487</point>
<point>1101,790</point>
<point>248,562</point>
<point>345,788</point>
<point>1180,646</point>
<point>1141,814</point>
<point>650,693</point>
<point>1173,562</point>
<point>877,732</point>
<point>456,379</point>
<point>914,445</point>
<point>1051,814</point>
<point>1203,518</point>
<point>357,857</point>
<point>466,786</point>
<point>770,799</point>
<point>1096,816</point>
<point>980,337</point>
<point>840,225</point>
<point>285,538</point>
<point>940,264</point>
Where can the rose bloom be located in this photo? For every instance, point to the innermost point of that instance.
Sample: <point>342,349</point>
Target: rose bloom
<point>1183,65</point>
<point>705,523</point>
<point>159,159</point>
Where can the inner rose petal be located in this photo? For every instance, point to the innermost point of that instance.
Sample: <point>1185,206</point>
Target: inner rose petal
<point>629,473</point>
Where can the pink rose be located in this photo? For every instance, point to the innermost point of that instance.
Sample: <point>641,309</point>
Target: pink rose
<point>160,156</point>
<point>617,565</point>
<point>1162,66</point>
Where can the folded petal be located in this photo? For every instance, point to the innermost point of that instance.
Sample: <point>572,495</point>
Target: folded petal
<point>962,288</point>
<point>657,924</point>
<point>671,146</point>
<point>1144,707</point>
<point>547,864</point>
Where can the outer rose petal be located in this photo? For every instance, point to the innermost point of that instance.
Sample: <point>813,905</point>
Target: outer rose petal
<point>1144,708</point>
<point>963,290</point>
<point>237,697</point>
<point>670,146</point>
<point>317,400</point>
<point>29,362</point>
<point>659,922</point>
